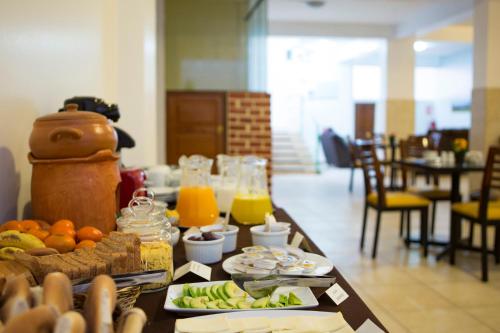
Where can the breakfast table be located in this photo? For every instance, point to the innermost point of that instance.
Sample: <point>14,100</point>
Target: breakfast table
<point>354,309</point>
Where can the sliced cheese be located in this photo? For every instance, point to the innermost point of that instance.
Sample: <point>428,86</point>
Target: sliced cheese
<point>345,329</point>
<point>256,323</point>
<point>283,323</point>
<point>237,324</point>
<point>217,324</point>
<point>331,323</point>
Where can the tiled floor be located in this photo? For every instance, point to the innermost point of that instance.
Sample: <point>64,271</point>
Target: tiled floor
<point>407,292</point>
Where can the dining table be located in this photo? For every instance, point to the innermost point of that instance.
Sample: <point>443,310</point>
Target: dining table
<point>455,171</point>
<point>354,309</point>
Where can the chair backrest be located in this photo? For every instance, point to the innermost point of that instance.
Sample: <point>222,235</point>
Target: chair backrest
<point>374,179</point>
<point>491,181</point>
<point>415,146</point>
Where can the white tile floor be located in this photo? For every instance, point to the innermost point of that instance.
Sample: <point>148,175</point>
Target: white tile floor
<point>406,291</point>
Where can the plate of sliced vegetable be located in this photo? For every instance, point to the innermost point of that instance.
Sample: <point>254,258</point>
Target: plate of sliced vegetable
<point>226,296</point>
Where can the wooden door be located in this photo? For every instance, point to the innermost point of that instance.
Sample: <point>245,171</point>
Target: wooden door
<point>195,124</point>
<point>365,120</point>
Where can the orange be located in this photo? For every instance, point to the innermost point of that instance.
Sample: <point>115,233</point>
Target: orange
<point>66,223</point>
<point>62,243</point>
<point>89,233</point>
<point>27,225</point>
<point>43,224</point>
<point>11,225</point>
<point>59,229</point>
<point>86,244</point>
<point>40,234</point>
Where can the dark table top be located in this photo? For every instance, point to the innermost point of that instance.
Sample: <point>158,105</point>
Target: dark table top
<point>441,168</point>
<point>353,308</point>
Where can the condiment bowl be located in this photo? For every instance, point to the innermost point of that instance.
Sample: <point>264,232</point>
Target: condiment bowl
<point>230,234</point>
<point>176,233</point>
<point>205,252</point>
<point>269,238</point>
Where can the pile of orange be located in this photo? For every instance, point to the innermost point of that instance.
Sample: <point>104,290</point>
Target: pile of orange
<point>61,235</point>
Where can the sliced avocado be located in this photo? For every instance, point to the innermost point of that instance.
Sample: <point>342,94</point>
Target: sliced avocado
<point>294,299</point>
<point>196,303</point>
<point>185,289</point>
<point>260,303</point>
<point>210,295</point>
<point>224,305</point>
<point>204,299</point>
<point>234,301</point>
<point>178,302</point>
<point>230,289</point>
<point>193,291</point>
<point>244,305</point>
<point>283,300</point>
<point>222,293</point>
<point>214,305</point>
<point>186,301</point>
<point>214,292</point>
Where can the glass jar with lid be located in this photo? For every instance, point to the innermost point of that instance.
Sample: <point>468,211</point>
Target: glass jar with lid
<point>154,231</point>
<point>252,200</point>
<point>159,207</point>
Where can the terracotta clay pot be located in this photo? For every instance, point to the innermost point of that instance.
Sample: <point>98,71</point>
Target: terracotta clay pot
<point>83,190</point>
<point>71,134</point>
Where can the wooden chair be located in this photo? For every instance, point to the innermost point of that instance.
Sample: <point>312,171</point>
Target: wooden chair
<point>434,193</point>
<point>377,198</point>
<point>485,213</point>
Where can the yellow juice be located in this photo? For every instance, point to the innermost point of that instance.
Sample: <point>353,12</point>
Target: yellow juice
<point>197,206</point>
<point>251,209</point>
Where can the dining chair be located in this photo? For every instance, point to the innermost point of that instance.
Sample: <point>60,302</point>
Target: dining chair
<point>433,193</point>
<point>484,212</point>
<point>378,198</point>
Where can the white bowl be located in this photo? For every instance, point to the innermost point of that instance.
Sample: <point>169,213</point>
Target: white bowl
<point>231,235</point>
<point>273,238</point>
<point>205,252</point>
<point>176,233</point>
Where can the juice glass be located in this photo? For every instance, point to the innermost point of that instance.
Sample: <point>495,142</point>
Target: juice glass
<point>196,204</point>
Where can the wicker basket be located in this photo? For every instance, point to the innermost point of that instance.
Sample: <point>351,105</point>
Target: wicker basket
<point>125,300</point>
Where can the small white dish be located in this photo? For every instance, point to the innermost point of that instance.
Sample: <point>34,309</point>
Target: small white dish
<point>176,234</point>
<point>269,238</point>
<point>304,293</point>
<point>231,235</point>
<point>205,252</point>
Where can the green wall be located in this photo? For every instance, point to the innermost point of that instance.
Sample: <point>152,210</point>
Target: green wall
<point>205,44</point>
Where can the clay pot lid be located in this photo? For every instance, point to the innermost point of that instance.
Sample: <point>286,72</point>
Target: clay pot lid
<point>72,113</point>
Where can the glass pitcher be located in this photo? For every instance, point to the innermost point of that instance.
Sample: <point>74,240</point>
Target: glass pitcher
<point>228,168</point>
<point>196,204</point>
<point>252,200</point>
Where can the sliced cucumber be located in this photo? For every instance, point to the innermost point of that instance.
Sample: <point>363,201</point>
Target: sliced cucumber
<point>283,300</point>
<point>224,305</point>
<point>210,295</point>
<point>234,301</point>
<point>193,291</point>
<point>222,294</point>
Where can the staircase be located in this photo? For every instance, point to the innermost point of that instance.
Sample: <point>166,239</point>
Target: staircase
<point>290,154</point>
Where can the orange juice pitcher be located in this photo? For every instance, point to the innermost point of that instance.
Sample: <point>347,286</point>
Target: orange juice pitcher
<point>196,203</point>
<point>252,200</point>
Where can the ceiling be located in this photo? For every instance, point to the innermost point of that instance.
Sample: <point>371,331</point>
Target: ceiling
<point>398,14</point>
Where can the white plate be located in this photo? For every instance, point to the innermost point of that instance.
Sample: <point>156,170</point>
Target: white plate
<point>268,314</point>
<point>175,290</point>
<point>323,264</point>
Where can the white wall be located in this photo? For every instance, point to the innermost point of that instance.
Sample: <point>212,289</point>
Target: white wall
<point>54,49</point>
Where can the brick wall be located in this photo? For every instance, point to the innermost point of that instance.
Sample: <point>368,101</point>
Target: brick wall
<point>249,126</point>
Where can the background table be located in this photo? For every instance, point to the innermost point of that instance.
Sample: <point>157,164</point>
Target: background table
<point>353,308</point>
